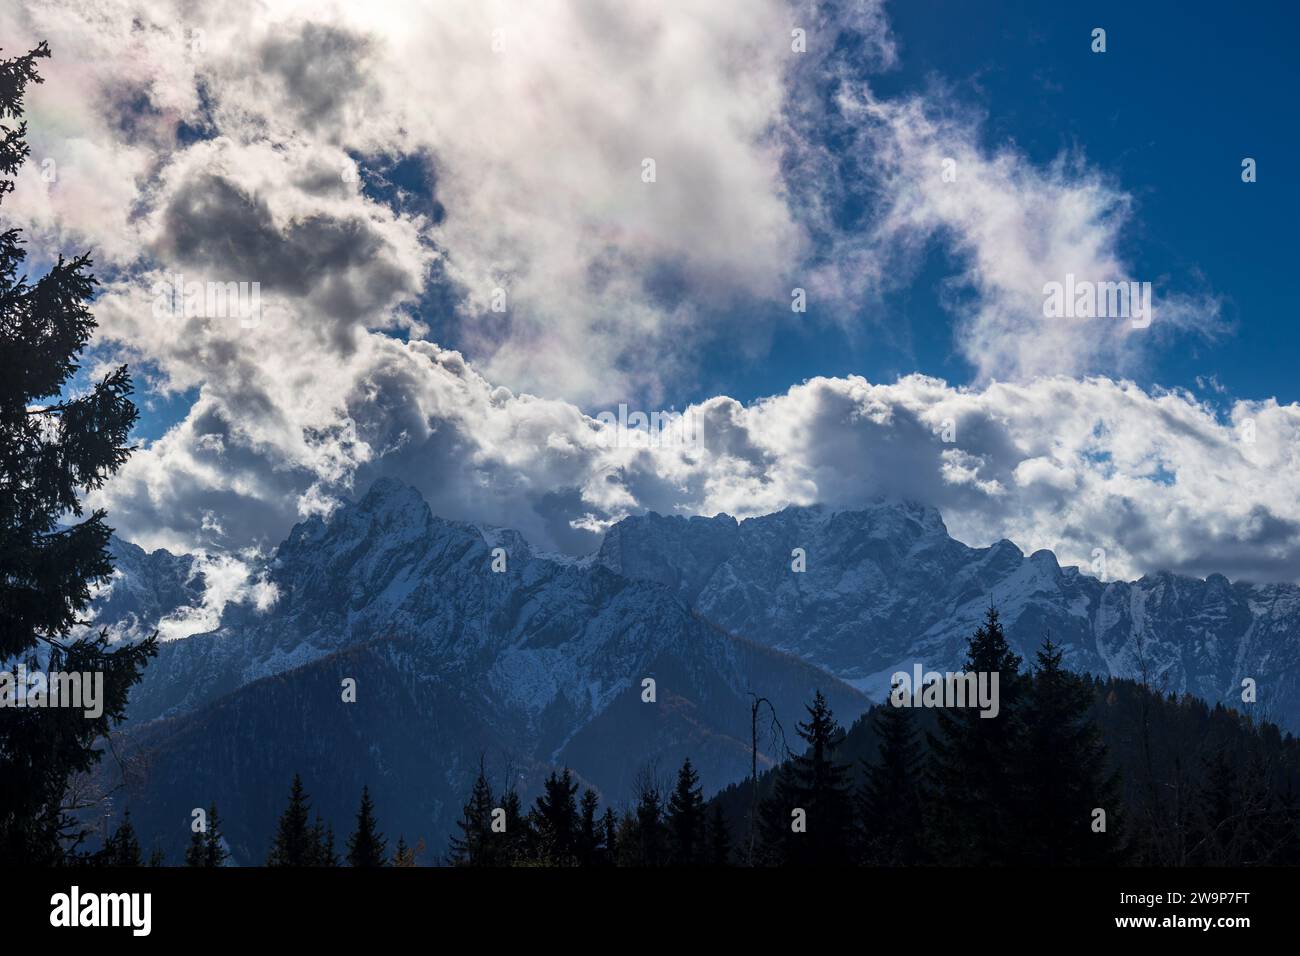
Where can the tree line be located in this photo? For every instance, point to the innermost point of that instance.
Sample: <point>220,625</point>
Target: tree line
<point>300,840</point>
<point>1035,785</point>
<point>1021,787</point>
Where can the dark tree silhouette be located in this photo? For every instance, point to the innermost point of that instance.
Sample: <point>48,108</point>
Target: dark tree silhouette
<point>122,848</point>
<point>196,852</point>
<point>609,837</point>
<point>818,785</point>
<point>555,819</point>
<point>403,855</point>
<point>1066,772</point>
<point>642,838</point>
<point>322,835</point>
<point>295,839</point>
<point>588,846</point>
<point>518,835</point>
<point>477,845</point>
<point>685,820</point>
<point>719,838</point>
<point>978,797</point>
<point>51,452</point>
<point>366,846</point>
<point>205,845</point>
<point>890,798</point>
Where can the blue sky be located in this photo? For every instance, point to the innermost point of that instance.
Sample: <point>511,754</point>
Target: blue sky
<point>1169,111</point>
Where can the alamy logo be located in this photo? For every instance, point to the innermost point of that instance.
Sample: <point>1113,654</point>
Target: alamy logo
<point>953,689</point>
<point>74,909</point>
<point>1083,299</point>
<point>173,297</point>
<point>670,429</point>
<point>32,688</point>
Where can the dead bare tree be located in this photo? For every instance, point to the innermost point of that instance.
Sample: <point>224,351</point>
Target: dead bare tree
<point>778,734</point>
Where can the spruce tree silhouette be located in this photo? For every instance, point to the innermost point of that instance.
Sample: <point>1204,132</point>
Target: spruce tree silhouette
<point>367,846</point>
<point>978,799</point>
<point>122,848</point>
<point>328,855</point>
<point>642,839</point>
<point>555,819</point>
<point>1065,771</point>
<point>685,819</point>
<point>477,845</point>
<point>403,855</point>
<point>588,848</point>
<point>719,838</point>
<point>889,800</point>
<point>205,847</point>
<point>296,841</point>
<point>214,852</point>
<point>609,838</point>
<point>196,853</point>
<point>50,454</point>
<point>518,834</point>
<point>818,785</point>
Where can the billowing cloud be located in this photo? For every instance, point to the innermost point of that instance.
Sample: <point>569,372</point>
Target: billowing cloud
<point>240,143</point>
<point>1152,480</point>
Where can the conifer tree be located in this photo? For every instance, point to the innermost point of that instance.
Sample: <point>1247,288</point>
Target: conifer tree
<point>556,820</point>
<point>889,800</point>
<point>322,837</point>
<point>609,838</point>
<point>122,848</point>
<point>54,447</point>
<point>776,846</point>
<point>816,784</point>
<point>1281,829</point>
<point>719,838</point>
<point>329,855</point>
<point>366,846</point>
<point>1065,772</point>
<point>685,818</point>
<point>588,849</point>
<point>645,843</point>
<point>625,841</point>
<point>214,852</point>
<point>477,845</point>
<point>519,835</point>
<point>206,848</point>
<point>1218,832</point>
<point>196,853</point>
<point>295,839</point>
<point>974,763</point>
<point>403,855</point>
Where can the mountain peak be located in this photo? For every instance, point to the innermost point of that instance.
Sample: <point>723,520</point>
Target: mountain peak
<point>388,492</point>
<point>880,516</point>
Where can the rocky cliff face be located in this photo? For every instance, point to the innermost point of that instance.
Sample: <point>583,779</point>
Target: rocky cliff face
<point>886,587</point>
<point>544,663</point>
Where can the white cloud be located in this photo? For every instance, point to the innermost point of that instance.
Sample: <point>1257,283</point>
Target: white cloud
<point>1161,481</point>
<point>1014,227</point>
<point>613,284</point>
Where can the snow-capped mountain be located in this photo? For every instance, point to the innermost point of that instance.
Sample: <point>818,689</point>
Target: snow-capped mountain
<point>465,643</point>
<point>530,663</point>
<point>886,587</point>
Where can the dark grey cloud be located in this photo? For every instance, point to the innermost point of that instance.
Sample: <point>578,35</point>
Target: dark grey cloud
<point>321,68</point>
<point>342,266</point>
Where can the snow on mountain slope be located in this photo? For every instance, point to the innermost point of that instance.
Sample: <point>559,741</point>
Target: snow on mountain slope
<point>542,664</point>
<point>886,587</point>
<point>545,659</point>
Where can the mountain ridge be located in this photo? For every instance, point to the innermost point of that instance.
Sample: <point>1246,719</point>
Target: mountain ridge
<point>543,663</point>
